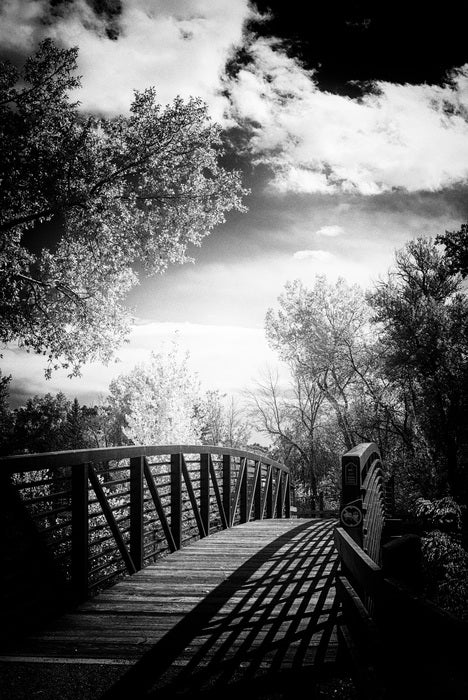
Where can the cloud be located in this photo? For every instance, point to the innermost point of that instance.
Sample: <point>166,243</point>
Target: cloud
<point>225,357</point>
<point>395,137</point>
<point>330,231</point>
<point>319,255</point>
<point>181,46</point>
<point>410,137</point>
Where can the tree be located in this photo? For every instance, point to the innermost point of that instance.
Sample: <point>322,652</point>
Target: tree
<point>322,334</point>
<point>6,415</point>
<point>113,195</point>
<point>289,417</point>
<point>222,423</point>
<point>39,424</point>
<point>158,401</point>
<point>423,317</point>
<point>456,249</point>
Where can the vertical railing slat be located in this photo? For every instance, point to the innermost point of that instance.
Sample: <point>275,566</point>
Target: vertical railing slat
<point>136,512</point>
<point>258,465</point>
<point>237,491</point>
<point>279,497</point>
<point>205,492</point>
<point>244,489</point>
<point>274,500</point>
<point>227,488</point>
<point>80,531</point>
<point>258,494</point>
<point>269,494</point>
<point>288,496</point>
<point>176,499</point>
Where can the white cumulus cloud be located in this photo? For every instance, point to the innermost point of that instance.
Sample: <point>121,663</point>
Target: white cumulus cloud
<point>319,255</point>
<point>410,137</point>
<point>395,137</point>
<point>330,231</point>
<point>181,46</point>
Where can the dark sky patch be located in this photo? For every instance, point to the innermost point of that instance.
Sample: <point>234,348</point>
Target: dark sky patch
<point>365,40</point>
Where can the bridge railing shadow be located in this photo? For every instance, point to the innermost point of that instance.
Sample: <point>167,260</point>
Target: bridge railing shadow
<point>269,623</point>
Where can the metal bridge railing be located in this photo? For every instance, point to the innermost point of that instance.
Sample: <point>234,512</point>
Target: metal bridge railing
<point>103,513</point>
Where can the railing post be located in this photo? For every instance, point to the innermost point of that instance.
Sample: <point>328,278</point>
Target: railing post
<point>279,500</point>
<point>80,531</point>
<point>258,494</point>
<point>269,495</point>
<point>176,499</point>
<point>136,511</point>
<point>227,487</point>
<point>244,493</point>
<point>205,492</point>
<point>288,496</point>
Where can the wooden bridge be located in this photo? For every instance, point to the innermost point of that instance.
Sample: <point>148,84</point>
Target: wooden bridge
<point>112,587</point>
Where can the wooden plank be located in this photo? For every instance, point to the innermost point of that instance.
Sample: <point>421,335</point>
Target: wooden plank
<point>109,516</point>
<point>136,512</point>
<point>80,532</point>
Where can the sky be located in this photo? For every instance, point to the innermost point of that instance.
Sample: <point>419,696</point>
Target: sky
<point>349,124</point>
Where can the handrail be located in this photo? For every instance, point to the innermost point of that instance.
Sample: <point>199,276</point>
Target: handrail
<point>44,460</point>
<point>109,511</point>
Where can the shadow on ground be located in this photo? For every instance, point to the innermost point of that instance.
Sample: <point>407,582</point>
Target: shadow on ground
<point>264,632</point>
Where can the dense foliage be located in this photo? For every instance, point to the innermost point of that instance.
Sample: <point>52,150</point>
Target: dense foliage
<point>445,560</point>
<point>157,402</point>
<point>422,312</point>
<point>390,366</point>
<point>112,196</point>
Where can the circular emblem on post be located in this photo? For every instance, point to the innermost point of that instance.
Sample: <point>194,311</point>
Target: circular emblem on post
<point>351,516</point>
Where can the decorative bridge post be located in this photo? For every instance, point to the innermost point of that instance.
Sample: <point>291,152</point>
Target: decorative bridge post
<point>362,511</point>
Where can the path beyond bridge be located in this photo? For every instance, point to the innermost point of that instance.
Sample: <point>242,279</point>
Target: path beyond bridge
<point>247,611</point>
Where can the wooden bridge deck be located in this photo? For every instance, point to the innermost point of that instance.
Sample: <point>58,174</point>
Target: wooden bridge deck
<point>246,603</point>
